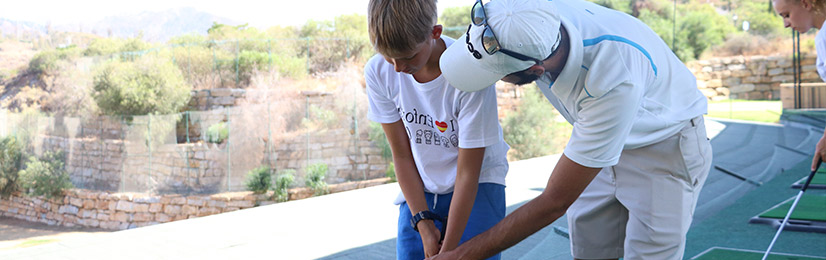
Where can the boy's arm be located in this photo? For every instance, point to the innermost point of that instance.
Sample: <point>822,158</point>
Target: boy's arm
<point>567,181</point>
<point>411,183</point>
<point>464,195</point>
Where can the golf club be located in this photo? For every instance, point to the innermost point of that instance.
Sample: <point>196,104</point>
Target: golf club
<point>788,214</point>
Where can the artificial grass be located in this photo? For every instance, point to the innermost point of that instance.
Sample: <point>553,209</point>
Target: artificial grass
<point>810,207</point>
<point>736,254</point>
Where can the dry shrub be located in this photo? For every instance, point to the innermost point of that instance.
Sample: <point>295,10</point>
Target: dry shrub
<point>752,45</point>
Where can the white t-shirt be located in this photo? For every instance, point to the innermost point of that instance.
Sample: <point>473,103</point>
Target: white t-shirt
<point>621,87</point>
<point>439,120</point>
<point>820,47</point>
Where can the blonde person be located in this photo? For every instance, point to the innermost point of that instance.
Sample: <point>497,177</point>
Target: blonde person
<point>638,155</point>
<point>802,15</point>
<point>447,144</point>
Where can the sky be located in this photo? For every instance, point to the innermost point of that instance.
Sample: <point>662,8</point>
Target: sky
<point>257,13</point>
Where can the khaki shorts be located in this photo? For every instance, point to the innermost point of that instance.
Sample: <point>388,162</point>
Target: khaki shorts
<point>642,207</point>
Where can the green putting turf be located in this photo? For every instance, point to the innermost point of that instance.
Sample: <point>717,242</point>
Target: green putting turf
<point>820,178</point>
<point>810,207</point>
<point>736,254</point>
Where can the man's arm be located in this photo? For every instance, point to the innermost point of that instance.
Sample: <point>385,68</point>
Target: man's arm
<point>567,182</point>
<point>411,183</point>
<point>468,170</point>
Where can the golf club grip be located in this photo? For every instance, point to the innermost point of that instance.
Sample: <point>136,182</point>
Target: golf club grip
<point>811,175</point>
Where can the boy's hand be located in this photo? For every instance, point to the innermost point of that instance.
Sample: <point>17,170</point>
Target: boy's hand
<point>430,237</point>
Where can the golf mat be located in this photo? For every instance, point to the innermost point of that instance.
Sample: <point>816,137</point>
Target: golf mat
<point>809,214</point>
<point>722,253</point>
<point>818,181</point>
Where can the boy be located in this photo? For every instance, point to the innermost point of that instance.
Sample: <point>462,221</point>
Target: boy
<point>447,144</point>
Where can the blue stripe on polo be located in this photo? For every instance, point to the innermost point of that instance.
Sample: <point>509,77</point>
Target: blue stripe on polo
<point>589,42</point>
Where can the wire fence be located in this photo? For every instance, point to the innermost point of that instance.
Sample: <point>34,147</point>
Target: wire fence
<point>240,118</point>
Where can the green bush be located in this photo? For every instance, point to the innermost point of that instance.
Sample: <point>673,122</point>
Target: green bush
<point>217,133</point>
<point>102,47</point>
<point>249,63</point>
<point>534,129</point>
<point>380,140</point>
<point>259,180</point>
<point>11,161</point>
<point>391,171</point>
<point>151,85</point>
<point>282,184</point>
<point>46,176</point>
<point>314,178</point>
<point>47,61</point>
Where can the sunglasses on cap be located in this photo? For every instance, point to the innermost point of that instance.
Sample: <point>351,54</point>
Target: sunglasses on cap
<point>491,45</point>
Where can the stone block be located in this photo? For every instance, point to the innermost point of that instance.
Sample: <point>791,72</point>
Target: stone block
<point>216,204</point>
<point>220,92</point>
<point>162,218</point>
<point>172,209</point>
<point>198,201</point>
<point>89,204</point>
<point>143,217</point>
<point>155,207</point>
<point>143,208</point>
<point>65,209</point>
<point>742,88</point>
<point>122,217</point>
<point>77,202</point>
<point>125,206</point>
<point>189,210</point>
<point>776,71</point>
<point>178,200</point>
<point>783,78</point>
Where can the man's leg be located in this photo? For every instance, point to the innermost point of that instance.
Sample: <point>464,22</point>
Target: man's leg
<point>659,185</point>
<point>597,220</point>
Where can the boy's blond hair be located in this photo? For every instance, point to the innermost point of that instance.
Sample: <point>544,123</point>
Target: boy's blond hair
<point>397,26</point>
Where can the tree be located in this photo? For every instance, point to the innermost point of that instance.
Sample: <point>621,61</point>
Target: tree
<point>534,129</point>
<point>455,21</point>
<point>150,85</point>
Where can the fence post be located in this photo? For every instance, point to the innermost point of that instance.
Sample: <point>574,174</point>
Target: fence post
<point>124,154</point>
<point>149,144</point>
<point>308,55</point>
<point>236,63</point>
<point>229,154</point>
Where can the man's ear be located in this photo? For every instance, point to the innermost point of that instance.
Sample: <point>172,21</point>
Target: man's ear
<point>536,70</point>
<point>437,31</point>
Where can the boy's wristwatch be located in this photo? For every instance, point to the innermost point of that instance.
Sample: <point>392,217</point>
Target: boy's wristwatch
<point>423,215</point>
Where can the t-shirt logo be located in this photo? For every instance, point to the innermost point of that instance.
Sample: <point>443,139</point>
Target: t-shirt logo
<point>441,125</point>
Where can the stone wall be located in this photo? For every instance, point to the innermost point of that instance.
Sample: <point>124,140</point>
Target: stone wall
<point>119,211</point>
<point>755,77</point>
<point>117,165</point>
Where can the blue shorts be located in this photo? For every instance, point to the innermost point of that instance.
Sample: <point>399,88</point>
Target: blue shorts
<point>488,209</point>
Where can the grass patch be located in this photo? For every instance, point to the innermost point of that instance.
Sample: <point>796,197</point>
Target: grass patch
<point>767,111</point>
<point>35,242</point>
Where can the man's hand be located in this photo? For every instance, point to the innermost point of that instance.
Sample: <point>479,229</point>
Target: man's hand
<point>430,237</point>
<point>820,152</point>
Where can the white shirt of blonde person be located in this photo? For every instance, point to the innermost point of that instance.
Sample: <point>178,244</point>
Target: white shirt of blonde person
<point>439,120</point>
<point>820,47</point>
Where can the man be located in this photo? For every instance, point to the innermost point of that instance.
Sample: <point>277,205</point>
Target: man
<point>638,156</point>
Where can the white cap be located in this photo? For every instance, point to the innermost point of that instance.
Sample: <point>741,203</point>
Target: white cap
<point>529,27</point>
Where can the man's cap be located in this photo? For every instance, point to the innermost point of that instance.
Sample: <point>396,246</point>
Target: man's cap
<point>529,27</point>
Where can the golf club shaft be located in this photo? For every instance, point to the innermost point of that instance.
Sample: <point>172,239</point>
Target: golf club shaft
<point>782,224</point>
<point>789,214</point>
